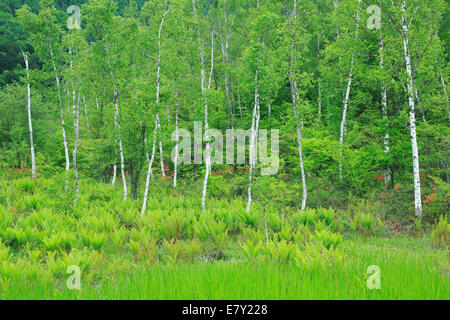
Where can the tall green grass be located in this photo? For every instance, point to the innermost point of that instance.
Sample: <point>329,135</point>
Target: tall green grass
<point>410,269</point>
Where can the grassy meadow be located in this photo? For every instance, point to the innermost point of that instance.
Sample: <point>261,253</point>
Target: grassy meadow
<point>176,252</point>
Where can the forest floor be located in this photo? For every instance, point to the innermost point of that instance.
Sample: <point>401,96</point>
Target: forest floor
<point>176,252</point>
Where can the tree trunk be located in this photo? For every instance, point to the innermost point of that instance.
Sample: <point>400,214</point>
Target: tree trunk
<point>347,98</point>
<point>119,134</point>
<point>76,126</point>
<point>30,126</point>
<point>319,91</point>
<point>149,169</point>
<point>114,174</point>
<point>205,98</point>
<point>175,164</point>
<point>445,94</point>
<point>225,51</point>
<point>253,136</point>
<point>58,86</point>
<point>412,116</point>
<point>158,84</point>
<point>295,98</point>
<point>384,109</point>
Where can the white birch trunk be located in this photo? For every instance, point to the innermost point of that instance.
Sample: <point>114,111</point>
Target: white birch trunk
<point>76,125</point>
<point>419,103</point>
<point>335,2</point>
<point>252,147</point>
<point>58,86</point>
<point>346,99</point>
<point>30,126</point>
<point>445,94</point>
<point>117,125</point>
<point>149,169</point>
<point>163,173</point>
<point>114,174</point>
<point>319,89</point>
<point>119,134</point>
<point>86,113</point>
<point>225,51</point>
<point>295,98</point>
<point>207,149</point>
<point>158,85</point>
<point>175,169</point>
<point>387,177</point>
<point>412,116</point>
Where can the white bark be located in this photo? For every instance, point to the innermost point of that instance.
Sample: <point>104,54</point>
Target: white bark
<point>253,136</point>
<point>76,125</point>
<point>58,86</point>
<point>119,134</point>
<point>384,109</point>
<point>117,126</point>
<point>163,173</point>
<point>175,169</point>
<point>295,98</point>
<point>30,126</point>
<point>337,24</point>
<point>158,84</point>
<point>225,51</point>
<point>412,116</point>
<point>319,89</point>
<point>347,98</point>
<point>114,174</point>
<point>205,98</point>
<point>445,94</point>
<point>149,169</point>
<point>158,74</point>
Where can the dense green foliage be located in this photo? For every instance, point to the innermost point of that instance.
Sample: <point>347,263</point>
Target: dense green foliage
<point>347,99</point>
<point>256,34</point>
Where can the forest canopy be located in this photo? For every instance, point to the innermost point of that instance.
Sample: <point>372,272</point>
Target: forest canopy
<point>358,90</point>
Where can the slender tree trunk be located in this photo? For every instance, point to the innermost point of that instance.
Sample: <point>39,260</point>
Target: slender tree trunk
<point>86,113</point>
<point>119,134</point>
<point>335,2</point>
<point>158,84</point>
<point>347,99</point>
<point>225,51</point>
<point>205,98</point>
<point>319,89</point>
<point>58,86</point>
<point>412,116</point>
<point>175,169</point>
<point>446,95</point>
<point>253,136</point>
<point>76,125</point>
<point>387,177</point>
<point>30,126</point>
<point>295,98</point>
<point>149,169</point>
<point>114,174</point>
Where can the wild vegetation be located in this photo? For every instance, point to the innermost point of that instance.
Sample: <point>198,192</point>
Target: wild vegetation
<point>95,102</point>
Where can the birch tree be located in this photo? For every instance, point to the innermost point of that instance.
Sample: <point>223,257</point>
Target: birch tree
<point>384,107</point>
<point>412,114</point>
<point>347,97</point>
<point>30,126</point>
<point>295,100</point>
<point>205,98</point>
<point>157,126</point>
<point>253,137</point>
